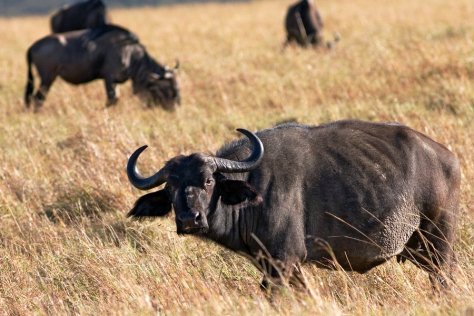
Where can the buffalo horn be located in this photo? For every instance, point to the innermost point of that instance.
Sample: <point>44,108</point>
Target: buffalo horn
<point>230,166</point>
<point>137,180</point>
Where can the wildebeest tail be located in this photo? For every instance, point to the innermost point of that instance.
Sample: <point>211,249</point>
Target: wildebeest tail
<point>30,81</point>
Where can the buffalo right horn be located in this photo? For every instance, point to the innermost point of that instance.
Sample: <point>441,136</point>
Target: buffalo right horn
<point>252,162</point>
<point>137,180</point>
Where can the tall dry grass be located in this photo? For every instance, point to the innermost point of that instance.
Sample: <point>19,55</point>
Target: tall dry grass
<point>65,245</point>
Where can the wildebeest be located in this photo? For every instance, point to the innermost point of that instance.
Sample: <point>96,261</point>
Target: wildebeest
<point>348,194</point>
<point>109,52</point>
<point>82,15</point>
<point>304,25</point>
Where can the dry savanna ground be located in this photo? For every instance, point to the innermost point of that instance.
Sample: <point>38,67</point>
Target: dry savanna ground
<point>65,244</point>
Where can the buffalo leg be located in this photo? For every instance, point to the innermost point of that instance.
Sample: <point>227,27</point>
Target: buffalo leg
<point>430,248</point>
<point>275,273</point>
<point>439,248</point>
<point>278,273</point>
<point>111,92</point>
<point>281,267</point>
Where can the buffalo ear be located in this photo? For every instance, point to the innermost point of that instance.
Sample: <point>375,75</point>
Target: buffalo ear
<point>234,192</point>
<point>153,204</point>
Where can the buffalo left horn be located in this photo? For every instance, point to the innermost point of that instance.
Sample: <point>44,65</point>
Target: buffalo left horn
<point>252,162</point>
<point>139,181</point>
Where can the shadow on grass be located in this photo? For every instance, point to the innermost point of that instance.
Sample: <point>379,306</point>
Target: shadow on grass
<point>76,204</point>
<point>86,207</point>
<point>122,234</point>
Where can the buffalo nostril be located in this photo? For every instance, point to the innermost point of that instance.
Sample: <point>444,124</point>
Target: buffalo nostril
<point>198,217</point>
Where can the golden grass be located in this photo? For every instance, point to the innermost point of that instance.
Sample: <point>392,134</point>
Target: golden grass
<point>65,245</point>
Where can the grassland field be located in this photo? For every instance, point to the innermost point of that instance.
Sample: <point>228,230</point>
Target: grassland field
<point>65,244</point>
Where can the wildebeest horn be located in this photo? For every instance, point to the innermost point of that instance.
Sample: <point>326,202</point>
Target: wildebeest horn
<point>153,76</point>
<point>137,180</point>
<point>226,165</point>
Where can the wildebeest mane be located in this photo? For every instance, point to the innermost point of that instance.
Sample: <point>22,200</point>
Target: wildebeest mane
<point>142,68</point>
<point>98,32</point>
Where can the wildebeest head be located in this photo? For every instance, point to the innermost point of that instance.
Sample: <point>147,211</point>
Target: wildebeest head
<point>194,185</point>
<point>162,88</point>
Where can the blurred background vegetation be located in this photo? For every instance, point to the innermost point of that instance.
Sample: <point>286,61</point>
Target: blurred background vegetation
<point>26,7</point>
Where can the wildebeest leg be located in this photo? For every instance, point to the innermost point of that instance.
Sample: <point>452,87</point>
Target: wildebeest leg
<point>302,30</point>
<point>40,96</point>
<point>111,92</point>
<point>30,83</point>
<point>288,41</point>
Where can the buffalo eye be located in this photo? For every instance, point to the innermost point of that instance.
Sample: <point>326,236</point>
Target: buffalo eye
<point>209,181</point>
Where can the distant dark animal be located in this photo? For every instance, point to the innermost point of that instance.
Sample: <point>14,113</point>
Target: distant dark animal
<point>348,194</point>
<point>111,53</point>
<point>81,15</point>
<point>304,25</point>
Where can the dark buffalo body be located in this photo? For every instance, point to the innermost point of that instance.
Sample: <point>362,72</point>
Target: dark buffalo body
<point>82,15</point>
<point>348,194</point>
<point>111,53</point>
<point>303,24</point>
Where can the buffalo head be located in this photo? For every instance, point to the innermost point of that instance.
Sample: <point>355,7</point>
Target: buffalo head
<point>194,186</point>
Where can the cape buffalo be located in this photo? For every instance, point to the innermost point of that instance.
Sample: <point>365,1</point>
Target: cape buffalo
<point>109,52</point>
<point>304,25</point>
<point>348,194</point>
<point>82,15</point>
